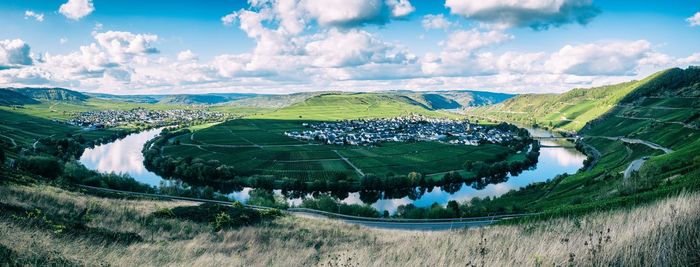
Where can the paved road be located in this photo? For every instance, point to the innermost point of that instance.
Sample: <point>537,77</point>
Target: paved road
<point>380,223</point>
<point>634,166</point>
<point>637,141</point>
<point>409,226</point>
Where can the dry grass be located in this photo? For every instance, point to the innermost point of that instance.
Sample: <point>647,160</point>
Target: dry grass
<point>666,233</point>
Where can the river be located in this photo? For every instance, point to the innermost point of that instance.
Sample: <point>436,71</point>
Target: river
<point>124,156</point>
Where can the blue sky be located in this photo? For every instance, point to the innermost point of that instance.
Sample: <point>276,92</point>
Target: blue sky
<point>280,46</point>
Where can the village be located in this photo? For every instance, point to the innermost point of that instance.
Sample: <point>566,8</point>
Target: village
<point>114,118</point>
<point>401,129</point>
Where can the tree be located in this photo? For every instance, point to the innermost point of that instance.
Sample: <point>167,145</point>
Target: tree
<point>454,206</point>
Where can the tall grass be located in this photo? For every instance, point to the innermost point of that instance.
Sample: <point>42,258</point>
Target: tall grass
<point>665,233</point>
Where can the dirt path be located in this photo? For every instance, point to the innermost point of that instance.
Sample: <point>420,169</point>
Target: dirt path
<point>14,144</point>
<point>350,163</point>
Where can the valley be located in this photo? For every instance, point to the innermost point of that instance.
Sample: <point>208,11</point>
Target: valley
<point>639,139</point>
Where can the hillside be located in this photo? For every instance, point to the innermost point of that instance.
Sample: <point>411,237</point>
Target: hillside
<point>52,94</point>
<point>272,101</point>
<point>569,111</point>
<point>193,99</point>
<point>9,97</point>
<point>642,135</point>
<point>149,99</point>
<point>339,106</point>
<point>42,225</point>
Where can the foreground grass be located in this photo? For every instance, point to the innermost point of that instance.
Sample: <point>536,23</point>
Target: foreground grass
<point>661,234</point>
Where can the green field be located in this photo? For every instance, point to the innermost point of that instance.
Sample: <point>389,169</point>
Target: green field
<point>257,146</point>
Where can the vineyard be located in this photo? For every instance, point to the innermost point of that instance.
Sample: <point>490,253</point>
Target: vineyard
<point>257,146</point>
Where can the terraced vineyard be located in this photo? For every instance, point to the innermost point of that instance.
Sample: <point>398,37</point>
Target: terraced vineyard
<point>256,146</point>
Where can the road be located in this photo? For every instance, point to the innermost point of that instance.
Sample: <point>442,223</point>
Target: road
<point>14,144</point>
<point>634,166</point>
<point>659,121</point>
<point>379,223</point>
<point>408,226</point>
<point>637,141</point>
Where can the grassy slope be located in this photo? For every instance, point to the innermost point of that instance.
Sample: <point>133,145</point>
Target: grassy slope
<point>10,97</point>
<point>640,114</point>
<point>330,107</point>
<point>569,111</point>
<point>666,233</point>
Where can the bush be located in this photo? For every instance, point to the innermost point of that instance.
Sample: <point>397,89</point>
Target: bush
<point>48,167</point>
<point>219,216</point>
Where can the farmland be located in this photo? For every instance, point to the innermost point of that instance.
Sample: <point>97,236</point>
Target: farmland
<point>257,146</point>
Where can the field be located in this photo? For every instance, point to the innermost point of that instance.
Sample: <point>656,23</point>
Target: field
<point>256,146</point>
<point>663,233</point>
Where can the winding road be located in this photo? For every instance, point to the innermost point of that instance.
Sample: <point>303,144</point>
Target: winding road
<point>14,144</point>
<point>635,165</point>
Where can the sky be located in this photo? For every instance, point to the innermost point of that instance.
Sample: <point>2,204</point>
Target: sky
<point>285,46</point>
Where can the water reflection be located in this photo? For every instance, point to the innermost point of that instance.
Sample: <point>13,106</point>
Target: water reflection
<point>124,156</point>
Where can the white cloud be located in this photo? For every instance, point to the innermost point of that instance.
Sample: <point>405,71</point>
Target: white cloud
<point>351,48</point>
<point>435,22</point>
<point>122,46</point>
<point>63,40</point>
<point>14,53</point>
<point>537,14</point>
<point>36,16</point>
<point>400,8</point>
<point>693,59</point>
<point>474,39</point>
<point>229,18</point>
<point>607,58</point>
<point>76,9</point>
<point>694,20</point>
<point>345,12</point>
<point>349,13</point>
<point>187,55</point>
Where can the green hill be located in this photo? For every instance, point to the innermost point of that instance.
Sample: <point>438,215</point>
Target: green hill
<point>569,111</point>
<point>654,122</point>
<point>9,97</point>
<point>194,99</point>
<point>52,94</point>
<point>273,101</point>
<point>339,106</point>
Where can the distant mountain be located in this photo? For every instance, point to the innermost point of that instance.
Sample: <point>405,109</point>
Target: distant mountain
<point>456,99</point>
<point>340,106</point>
<point>10,97</point>
<point>273,101</point>
<point>194,99</point>
<point>149,99</point>
<point>52,94</point>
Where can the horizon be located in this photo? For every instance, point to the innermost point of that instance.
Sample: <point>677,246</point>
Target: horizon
<point>285,47</point>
